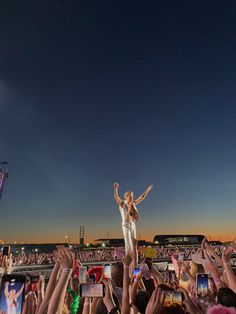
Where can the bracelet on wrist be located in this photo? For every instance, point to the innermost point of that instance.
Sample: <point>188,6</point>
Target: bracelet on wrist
<point>66,270</point>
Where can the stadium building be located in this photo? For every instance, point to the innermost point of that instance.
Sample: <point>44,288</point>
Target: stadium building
<point>178,239</point>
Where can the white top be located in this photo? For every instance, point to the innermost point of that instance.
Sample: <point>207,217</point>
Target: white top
<point>124,214</point>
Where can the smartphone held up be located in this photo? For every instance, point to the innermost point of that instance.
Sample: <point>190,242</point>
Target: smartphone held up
<point>107,271</point>
<point>12,294</point>
<point>202,284</point>
<point>92,290</point>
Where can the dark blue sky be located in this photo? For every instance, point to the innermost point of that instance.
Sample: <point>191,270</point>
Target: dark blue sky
<point>139,92</point>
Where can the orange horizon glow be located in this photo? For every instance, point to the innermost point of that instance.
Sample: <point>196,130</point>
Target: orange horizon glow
<point>223,237</point>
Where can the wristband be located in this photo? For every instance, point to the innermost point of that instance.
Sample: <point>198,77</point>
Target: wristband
<point>66,270</point>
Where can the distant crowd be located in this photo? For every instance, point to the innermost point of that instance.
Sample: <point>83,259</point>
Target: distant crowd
<point>112,254</point>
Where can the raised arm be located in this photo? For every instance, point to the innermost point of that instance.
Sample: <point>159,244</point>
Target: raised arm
<point>51,286</point>
<point>226,256</point>
<point>57,300</point>
<point>6,292</point>
<point>116,193</point>
<point>125,309</point>
<point>20,291</point>
<point>143,196</point>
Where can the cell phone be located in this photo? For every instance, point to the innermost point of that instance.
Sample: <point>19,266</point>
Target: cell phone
<point>34,283</point>
<point>172,298</point>
<point>6,250</point>
<point>82,274</point>
<point>136,271</point>
<point>12,293</point>
<point>92,278</point>
<point>202,283</point>
<point>92,290</point>
<point>107,271</point>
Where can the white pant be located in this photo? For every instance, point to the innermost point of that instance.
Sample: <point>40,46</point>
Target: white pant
<point>129,232</point>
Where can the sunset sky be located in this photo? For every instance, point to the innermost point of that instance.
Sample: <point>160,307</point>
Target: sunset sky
<point>139,92</point>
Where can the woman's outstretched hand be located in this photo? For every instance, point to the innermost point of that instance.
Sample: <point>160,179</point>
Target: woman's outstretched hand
<point>65,257</point>
<point>149,188</point>
<point>116,185</point>
<point>226,255</point>
<point>7,264</point>
<point>127,260</point>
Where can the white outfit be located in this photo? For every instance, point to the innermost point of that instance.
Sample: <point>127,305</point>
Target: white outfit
<point>128,227</point>
<point>11,309</point>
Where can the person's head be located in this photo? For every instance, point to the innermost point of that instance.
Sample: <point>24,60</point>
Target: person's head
<point>101,308</point>
<point>141,301</point>
<point>117,274</point>
<point>149,285</point>
<point>226,297</point>
<point>196,268</point>
<point>129,196</point>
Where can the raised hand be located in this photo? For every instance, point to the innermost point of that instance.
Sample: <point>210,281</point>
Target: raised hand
<point>116,185</point>
<point>41,283</point>
<point>211,267</point>
<point>127,260</point>
<point>65,257</point>
<point>7,263</point>
<point>190,307</point>
<point>149,188</point>
<point>226,255</point>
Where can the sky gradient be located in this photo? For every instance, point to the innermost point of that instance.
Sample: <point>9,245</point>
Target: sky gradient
<point>139,92</point>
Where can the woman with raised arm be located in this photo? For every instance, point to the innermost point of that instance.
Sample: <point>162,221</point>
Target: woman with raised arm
<point>129,214</point>
<point>66,260</point>
<point>11,298</point>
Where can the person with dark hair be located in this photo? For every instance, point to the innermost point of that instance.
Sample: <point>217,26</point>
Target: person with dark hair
<point>226,297</point>
<point>141,301</point>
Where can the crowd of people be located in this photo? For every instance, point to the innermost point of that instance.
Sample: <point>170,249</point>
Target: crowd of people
<point>128,291</point>
<point>202,280</point>
<point>110,254</point>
